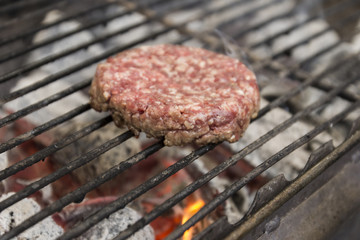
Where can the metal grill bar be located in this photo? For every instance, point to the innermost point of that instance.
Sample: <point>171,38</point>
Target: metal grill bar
<point>82,28</point>
<point>327,12</point>
<point>42,128</point>
<point>311,81</point>
<point>289,48</point>
<point>33,107</point>
<point>249,13</point>
<point>257,171</point>
<point>68,51</point>
<point>261,24</point>
<point>4,2</point>
<point>24,4</point>
<point>112,207</point>
<point>14,54</point>
<point>300,74</point>
<point>346,94</point>
<point>42,154</point>
<point>305,64</point>
<point>33,14</point>
<point>77,195</point>
<point>334,9</point>
<point>77,67</point>
<point>326,30</point>
<point>36,29</point>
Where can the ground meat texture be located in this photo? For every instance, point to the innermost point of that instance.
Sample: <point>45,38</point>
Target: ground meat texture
<point>183,94</point>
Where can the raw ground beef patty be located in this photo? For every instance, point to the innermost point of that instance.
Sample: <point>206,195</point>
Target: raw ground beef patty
<point>185,94</point>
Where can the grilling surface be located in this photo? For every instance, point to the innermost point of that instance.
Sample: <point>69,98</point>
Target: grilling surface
<point>309,88</point>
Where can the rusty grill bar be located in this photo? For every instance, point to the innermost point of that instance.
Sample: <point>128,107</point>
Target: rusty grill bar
<point>157,12</point>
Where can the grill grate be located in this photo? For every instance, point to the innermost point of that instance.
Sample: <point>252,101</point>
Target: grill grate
<point>159,12</point>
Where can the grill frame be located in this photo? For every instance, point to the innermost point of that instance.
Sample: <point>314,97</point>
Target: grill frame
<point>151,16</point>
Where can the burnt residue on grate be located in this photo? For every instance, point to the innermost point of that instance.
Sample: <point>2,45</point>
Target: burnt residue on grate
<point>53,146</point>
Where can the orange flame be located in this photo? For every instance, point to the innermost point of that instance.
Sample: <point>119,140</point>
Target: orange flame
<point>189,211</point>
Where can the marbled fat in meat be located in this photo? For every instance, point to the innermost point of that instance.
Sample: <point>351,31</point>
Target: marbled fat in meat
<point>181,93</point>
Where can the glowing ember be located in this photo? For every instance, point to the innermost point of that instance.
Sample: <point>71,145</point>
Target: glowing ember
<point>189,211</point>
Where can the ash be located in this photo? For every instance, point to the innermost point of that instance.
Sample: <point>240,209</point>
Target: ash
<point>290,165</point>
<point>114,224</point>
<point>102,163</point>
<point>232,209</point>
<point>236,206</point>
<point>19,212</point>
<point>4,163</point>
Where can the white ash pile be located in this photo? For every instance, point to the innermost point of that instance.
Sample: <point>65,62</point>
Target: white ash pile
<point>4,163</point>
<point>109,227</point>
<point>100,164</point>
<point>343,40</point>
<point>290,165</point>
<point>114,224</point>
<point>74,100</point>
<point>19,212</point>
<point>235,207</point>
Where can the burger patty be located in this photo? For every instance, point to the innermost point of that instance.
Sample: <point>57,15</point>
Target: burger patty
<point>183,94</point>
